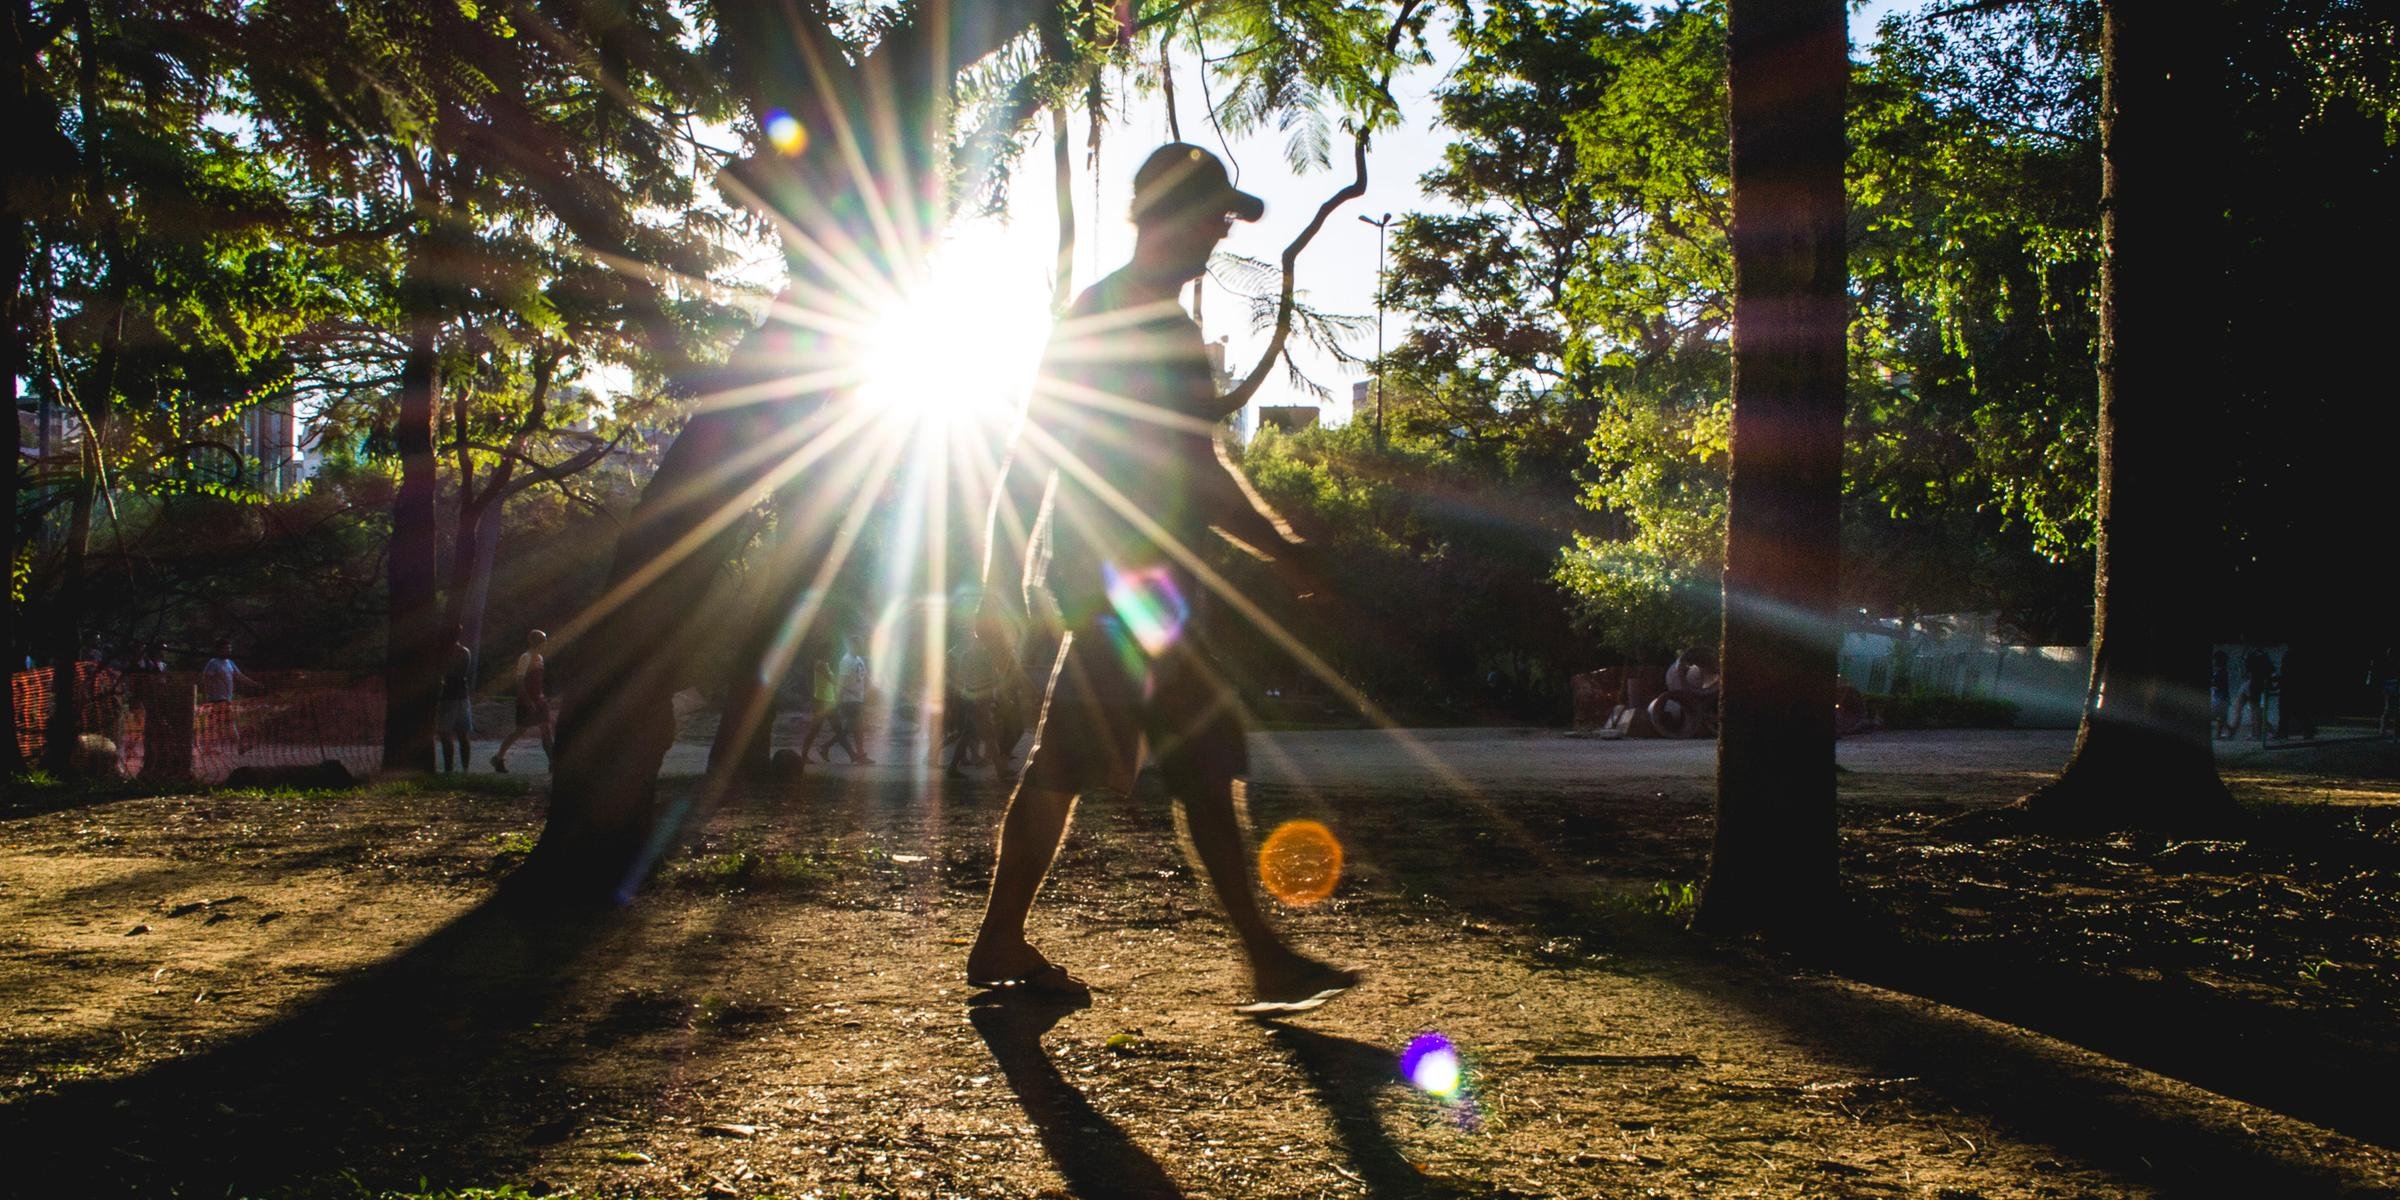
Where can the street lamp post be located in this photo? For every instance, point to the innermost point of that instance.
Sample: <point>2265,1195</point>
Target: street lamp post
<point>1380,226</point>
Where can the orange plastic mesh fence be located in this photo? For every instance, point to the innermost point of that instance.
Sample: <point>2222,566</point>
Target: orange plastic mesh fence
<point>156,725</point>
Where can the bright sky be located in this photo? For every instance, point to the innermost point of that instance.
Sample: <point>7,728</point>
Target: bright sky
<point>1336,273</point>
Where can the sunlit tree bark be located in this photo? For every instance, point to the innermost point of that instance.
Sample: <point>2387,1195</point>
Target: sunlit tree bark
<point>412,648</point>
<point>2142,756</point>
<point>1773,866</point>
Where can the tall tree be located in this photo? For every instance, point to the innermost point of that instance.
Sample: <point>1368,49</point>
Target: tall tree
<point>152,302</point>
<point>2143,753</point>
<point>493,143</point>
<point>848,161</point>
<point>1773,865</point>
<point>32,189</point>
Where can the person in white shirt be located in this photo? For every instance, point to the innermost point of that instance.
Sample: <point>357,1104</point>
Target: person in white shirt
<point>850,706</point>
<point>219,680</point>
<point>219,676</point>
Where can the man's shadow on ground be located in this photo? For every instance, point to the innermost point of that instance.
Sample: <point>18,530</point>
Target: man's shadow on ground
<point>401,1071</point>
<point>1100,1161</point>
<point>1093,1152</point>
<point>1346,1074</point>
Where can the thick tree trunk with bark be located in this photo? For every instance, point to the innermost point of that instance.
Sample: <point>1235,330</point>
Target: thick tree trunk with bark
<point>628,655</point>
<point>2143,755</point>
<point>1773,867</point>
<point>775,622</point>
<point>12,757</point>
<point>20,202</point>
<point>412,651</point>
<point>625,658</point>
<point>471,575</point>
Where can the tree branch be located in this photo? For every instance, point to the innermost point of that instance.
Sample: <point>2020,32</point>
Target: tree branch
<point>1242,392</point>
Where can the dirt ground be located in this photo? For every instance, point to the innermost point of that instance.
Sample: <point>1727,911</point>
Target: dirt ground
<point>315,993</point>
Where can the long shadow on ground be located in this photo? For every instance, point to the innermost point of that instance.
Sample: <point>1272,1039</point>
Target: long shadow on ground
<point>1345,1074</point>
<point>1451,853</point>
<point>2083,1109</point>
<point>387,1077</point>
<point>1099,1160</point>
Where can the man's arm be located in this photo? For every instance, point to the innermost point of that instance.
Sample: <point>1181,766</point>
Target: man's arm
<point>1231,506</point>
<point>1018,499</point>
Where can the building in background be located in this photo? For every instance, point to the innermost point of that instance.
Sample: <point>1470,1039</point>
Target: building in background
<point>272,459</point>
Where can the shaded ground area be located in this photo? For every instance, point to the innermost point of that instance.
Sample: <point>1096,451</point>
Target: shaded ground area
<point>293,993</point>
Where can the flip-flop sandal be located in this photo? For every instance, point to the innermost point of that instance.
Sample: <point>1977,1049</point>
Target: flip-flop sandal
<point>1341,981</point>
<point>1051,981</point>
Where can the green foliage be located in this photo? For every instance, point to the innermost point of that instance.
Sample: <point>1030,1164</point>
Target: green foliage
<point>1446,553</point>
<point>1570,323</point>
<point>1975,193</point>
<point>506,1191</point>
<point>1672,899</point>
<point>1640,600</point>
<point>1584,292</point>
<point>248,211</point>
<point>517,844</point>
<point>747,867</point>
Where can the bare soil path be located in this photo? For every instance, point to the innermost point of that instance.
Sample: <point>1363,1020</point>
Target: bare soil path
<point>303,994</point>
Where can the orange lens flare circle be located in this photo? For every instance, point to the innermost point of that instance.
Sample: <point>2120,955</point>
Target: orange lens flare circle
<point>1300,863</point>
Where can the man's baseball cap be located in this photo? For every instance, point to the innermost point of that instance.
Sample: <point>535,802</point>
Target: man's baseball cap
<point>1180,180</point>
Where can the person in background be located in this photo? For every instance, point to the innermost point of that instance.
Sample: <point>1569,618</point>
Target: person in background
<point>2293,718</point>
<point>2384,676</point>
<point>219,677</point>
<point>975,688</point>
<point>825,692</point>
<point>2220,692</point>
<point>850,709</point>
<point>2258,682</point>
<point>153,660</point>
<point>454,707</point>
<point>533,700</point>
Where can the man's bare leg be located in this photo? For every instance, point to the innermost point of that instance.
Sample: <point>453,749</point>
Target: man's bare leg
<point>500,756</point>
<point>1030,835</point>
<point>1280,976</point>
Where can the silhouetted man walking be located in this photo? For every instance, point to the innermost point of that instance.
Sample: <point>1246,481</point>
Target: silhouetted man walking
<point>1122,424</point>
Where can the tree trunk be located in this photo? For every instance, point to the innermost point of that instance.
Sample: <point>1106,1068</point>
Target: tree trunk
<point>625,657</point>
<point>2143,754</point>
<point>775,622</point>
<point>22,200</point>
<point>20,257</point>
<point>1062,179</point>
<point>412,661</point>
<point>1773,867</point>
<point>66,625</point>
<point>471,573</point>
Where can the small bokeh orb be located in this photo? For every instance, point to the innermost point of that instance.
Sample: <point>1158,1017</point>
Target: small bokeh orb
<point>785,132</point>
<point>1300,863</point>
<point>1431,1065</point>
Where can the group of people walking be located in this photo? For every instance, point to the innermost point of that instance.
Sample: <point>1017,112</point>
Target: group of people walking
<point>454,704</point>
